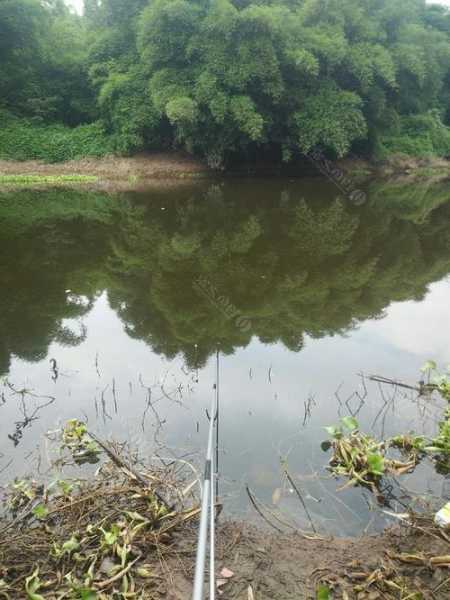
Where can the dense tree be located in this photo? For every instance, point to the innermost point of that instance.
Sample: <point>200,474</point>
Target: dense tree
<point>225,78</point>
<point>43,62</point>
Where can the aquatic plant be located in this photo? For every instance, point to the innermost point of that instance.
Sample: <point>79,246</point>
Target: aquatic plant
<point>80,444</point>
<point>360,457</point>
<point>437,380</point>
<point>410,444</point>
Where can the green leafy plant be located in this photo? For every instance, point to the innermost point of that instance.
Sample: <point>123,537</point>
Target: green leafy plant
<point>65,549</point>
<point>323,592</point>
<point>360,457</point>
<point>440,445</point>
<point>40,511</point>
<point>76,439</point>
<point>47,180</point>
<point>437,380</point>
<point>20,493</point>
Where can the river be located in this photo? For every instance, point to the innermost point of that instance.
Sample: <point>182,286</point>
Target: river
<point>113,308</point>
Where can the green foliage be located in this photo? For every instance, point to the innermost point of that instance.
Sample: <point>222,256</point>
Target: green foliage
<point>323,592</point>
<point>440,444</point>
<point>47,180</point>
<point>42,72</point>
<point>348,424</point>
<point>436,380</point>
<point>228,78</point>
<point>77,440</point>
<point>32,585</point>
<point>419,135</point>
<point>409,443</point>
<point>332,119</point>
<point>22,140</point>
<point>362,459</point>
<point>40,511</point>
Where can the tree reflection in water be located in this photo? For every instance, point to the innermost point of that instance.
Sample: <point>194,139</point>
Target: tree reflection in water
<point>281,260</point>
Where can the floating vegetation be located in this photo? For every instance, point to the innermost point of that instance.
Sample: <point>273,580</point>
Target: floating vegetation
<point>360,457</point>
<point>411,445</point>
<point>437,380</point>
<point>365,461</point>
<point>100,538</point>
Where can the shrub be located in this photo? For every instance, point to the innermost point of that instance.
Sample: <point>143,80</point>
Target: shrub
<point>418,135</point>
<point>23,140</point>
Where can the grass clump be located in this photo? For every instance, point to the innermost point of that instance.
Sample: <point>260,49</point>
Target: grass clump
<point>76,439</point>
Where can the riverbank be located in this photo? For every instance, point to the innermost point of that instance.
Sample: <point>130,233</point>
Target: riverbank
<point>107,537</point>
<point>131,531</point>
<point>173,169</point>
<point>108,174</point>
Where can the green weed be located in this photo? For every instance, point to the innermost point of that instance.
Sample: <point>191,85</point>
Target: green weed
<point>24,180</point>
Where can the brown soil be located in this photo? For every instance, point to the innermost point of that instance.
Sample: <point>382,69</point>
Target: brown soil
<point>116,173</point>
<point>268,566</point>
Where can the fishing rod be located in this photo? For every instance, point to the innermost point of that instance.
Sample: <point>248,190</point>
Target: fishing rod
<point>210,491</point>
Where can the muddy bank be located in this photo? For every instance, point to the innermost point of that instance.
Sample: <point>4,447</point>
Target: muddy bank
<point>251,563</point>
<point>288,567</point>
<point>111,173</point>
<point>130,531</point>
<point>173,169</point>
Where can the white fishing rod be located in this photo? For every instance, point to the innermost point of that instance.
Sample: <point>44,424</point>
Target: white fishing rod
<point>208,511</point>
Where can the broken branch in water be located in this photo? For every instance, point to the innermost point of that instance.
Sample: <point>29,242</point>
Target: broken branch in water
<point>297,491</point>
<point>259,511</point>
<point>422,389</point>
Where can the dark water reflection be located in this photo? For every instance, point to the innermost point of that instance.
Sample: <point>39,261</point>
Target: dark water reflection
<point>299,290</point>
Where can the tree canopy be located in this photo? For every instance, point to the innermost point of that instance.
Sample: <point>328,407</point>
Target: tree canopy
<point>228,78</point>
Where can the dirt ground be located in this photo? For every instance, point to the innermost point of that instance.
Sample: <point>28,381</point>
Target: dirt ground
<point>266,566</point>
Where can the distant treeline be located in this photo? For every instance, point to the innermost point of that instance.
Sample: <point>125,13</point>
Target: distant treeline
<point>224,78</point>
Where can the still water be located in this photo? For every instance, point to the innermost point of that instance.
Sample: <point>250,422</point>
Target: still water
<point>109,300</point>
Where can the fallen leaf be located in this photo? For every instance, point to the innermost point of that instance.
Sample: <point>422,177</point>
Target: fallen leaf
<point>144,573</point>
<point>221,582</point>
<point>226,573</point>
<point>250,594</point>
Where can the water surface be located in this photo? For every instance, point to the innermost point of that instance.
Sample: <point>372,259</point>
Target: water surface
<point>299,291</point>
